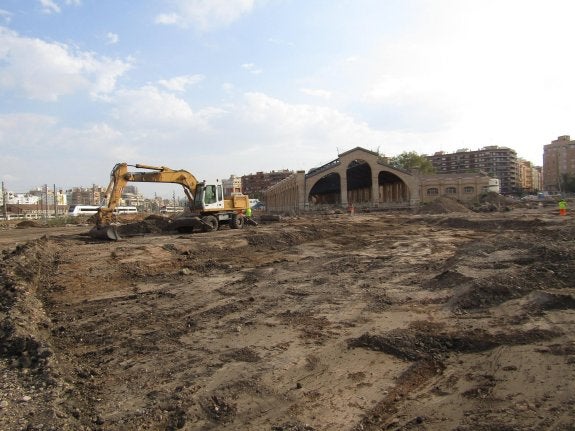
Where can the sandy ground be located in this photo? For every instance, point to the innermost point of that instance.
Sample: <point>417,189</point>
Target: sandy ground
<point>382,321</point>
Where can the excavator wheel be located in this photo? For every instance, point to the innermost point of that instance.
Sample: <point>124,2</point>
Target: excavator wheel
<point>238,221</point>
<point>210,223</point>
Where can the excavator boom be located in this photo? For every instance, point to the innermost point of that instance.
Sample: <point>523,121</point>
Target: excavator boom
<point>120,176</point>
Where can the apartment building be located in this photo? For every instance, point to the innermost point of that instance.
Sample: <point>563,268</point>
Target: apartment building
<point>497,162</point>
<point>86,195</point>
<point>538,177</point>
<point>529,178</point>
<point>232,185</point>
<point>558,162</point>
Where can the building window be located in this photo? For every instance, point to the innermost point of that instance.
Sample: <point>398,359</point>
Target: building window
<point>468,189</point>
<point>432,191</point>
<point>450,190</point>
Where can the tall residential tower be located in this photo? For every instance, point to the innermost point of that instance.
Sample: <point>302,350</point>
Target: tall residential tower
<point>498,162</point>
<point>558,162</point>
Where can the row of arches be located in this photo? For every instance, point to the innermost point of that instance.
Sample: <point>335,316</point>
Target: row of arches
<point>363,186</point>
<point>357,177</point>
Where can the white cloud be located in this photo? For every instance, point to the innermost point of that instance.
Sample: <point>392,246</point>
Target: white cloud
<point>316,92</point>
<point>305,128</point>
<point>228,87</point>
<point>23,131</point>
<point>147,108</point>
<point>85,154</point>
<point>279,42</point>
<point>5,16</point>
<point>180,83</point>
<point>252,68</point>
<point>112,38</point>
<point>168,19</point>
<point>49,6</point>
<point>205,14</point>
<point>46,71</point>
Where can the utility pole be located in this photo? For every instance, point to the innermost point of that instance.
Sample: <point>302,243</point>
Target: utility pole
<point>46,204</point>
<point>55,203</point>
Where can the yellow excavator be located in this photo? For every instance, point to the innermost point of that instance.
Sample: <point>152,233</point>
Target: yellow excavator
<point>208,207</point>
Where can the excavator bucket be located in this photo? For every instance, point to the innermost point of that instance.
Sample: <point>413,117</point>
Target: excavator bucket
<point>105,232</point>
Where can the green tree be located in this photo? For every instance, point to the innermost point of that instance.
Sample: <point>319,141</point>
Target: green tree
<point>410,160</point>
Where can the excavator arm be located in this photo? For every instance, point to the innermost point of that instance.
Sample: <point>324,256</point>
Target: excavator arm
<point>120,176</point>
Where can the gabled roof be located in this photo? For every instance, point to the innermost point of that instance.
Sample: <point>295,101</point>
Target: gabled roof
<point>373,153</point>
<point>334,163</point>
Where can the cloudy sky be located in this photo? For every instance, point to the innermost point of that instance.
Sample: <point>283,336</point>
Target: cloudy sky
<point>221,87</point>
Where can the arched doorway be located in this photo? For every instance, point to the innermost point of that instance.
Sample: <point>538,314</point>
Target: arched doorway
<point>358,174</point>
<point>327,191</point>
<point>391,188</point>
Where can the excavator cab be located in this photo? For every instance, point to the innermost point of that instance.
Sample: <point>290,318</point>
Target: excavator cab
<point>209,197</point>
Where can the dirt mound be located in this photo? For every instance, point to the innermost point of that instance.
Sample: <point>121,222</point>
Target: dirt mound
<point>506,266</point>
<point>443,205</point>
<point>551,301</point>
<point>490,224</point>
<point>291,426</point>
<point>21,310</point>
<point>151,224</point>
<point>417,344</point>
<point>493,202</point>
<point>31,378</point>
<point>27,223</point>
<point>285,239</point>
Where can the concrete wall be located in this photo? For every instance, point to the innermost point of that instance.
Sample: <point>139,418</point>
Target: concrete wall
<point>463,187</point>
<point>288,195</point>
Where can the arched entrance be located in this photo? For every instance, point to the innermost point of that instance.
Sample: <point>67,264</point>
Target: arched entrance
<point>358,174</point>
<point>391,188</point>
<point>326,191</point>
<point>360,178</point>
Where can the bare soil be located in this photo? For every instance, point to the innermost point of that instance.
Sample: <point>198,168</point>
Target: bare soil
<point>380,321</point>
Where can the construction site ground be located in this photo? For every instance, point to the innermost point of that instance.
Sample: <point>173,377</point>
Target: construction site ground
<point>373,321</point>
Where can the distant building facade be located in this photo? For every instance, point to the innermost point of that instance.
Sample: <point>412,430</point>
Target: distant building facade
<point>22,199</point>
<point>558,162</point>
<point>528,177</point>
<point>132,197</point>
<point>35,197</point>
<point>37,203</point>
<point>498,162</point>
<point>94,195</point>
<point>466,187</point>
<point>232,185</point>
<point>254,184</point>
